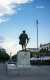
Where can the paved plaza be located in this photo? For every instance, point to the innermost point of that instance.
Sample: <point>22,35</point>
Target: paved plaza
<point>33,73</point>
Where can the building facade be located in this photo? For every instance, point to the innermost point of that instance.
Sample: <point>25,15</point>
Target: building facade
<point>47,46</point>
<point>33,51</point>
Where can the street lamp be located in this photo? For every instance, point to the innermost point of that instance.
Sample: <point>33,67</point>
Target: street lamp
<point>10,56</point>
<point>37,34</point>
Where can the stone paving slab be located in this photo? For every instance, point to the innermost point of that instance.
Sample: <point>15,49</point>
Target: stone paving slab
<point>34,73</point>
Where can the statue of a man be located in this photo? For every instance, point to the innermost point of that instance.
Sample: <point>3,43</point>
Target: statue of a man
<point>23,40</point>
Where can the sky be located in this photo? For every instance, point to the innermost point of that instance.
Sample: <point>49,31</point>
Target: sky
<point>19,15</point>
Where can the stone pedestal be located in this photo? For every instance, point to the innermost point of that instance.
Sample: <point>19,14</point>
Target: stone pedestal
<point>23,58</point>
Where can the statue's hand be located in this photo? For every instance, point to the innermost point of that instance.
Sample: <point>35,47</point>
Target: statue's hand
<point>28,40</point>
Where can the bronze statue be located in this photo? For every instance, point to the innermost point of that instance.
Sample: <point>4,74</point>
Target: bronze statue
<point>23,40</point>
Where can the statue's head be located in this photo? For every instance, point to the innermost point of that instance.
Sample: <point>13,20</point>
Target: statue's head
<point>24,31</point>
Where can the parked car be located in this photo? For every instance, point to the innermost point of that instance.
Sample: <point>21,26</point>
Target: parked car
<point>11,62</point>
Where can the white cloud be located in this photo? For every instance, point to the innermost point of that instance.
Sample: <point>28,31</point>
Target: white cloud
<point>3,20</point>
<point>7,7</point>
<point>40,7</point>
<point>10,46</point>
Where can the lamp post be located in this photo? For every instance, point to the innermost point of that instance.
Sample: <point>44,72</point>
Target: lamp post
<point>37,35</point>
<point>10,56</point>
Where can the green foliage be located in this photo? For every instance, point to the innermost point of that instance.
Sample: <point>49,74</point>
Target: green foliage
<point>3,55</point>
<point>14,58</point>
<point>43,50</point>
<point>31,54</point>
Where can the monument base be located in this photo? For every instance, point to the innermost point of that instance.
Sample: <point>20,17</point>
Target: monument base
<point>23,58</point>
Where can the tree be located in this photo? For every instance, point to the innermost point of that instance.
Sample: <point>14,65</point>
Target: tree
<point>14,58</point>
<point>43,50</point>
<point>3,55</point>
